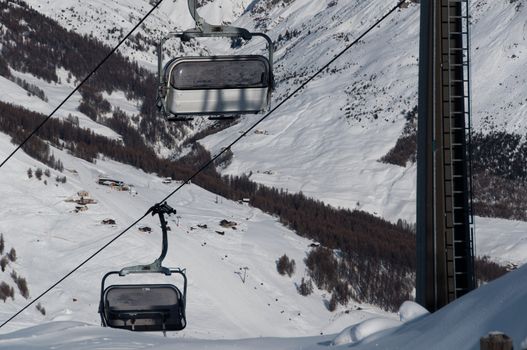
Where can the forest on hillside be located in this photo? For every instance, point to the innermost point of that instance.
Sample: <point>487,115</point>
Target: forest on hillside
<point>499,168</point>
<point>33,43</point>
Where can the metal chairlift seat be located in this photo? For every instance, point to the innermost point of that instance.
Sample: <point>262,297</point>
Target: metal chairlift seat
<point>217,85</point>
<point>220,86</point>
<point>145,307</point>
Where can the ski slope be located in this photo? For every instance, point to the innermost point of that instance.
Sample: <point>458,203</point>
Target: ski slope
<point>51,239</point>
<point>328,139</point>
<point>499,305</point>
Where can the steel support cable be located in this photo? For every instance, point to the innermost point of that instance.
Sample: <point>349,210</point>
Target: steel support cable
<point>80,84</point>
<point>204,166</point>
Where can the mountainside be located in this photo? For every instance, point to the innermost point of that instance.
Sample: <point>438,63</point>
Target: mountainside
<point>327,146</point>
<point>327,141</point>
<point>359,237</point>
<point>51,233</point>
<point>362,103</point>
<point>109,21</point>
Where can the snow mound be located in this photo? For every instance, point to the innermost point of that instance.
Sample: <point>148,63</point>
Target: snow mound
<point>357,333</point>
<point>410,311</point>
<point>375,327</point>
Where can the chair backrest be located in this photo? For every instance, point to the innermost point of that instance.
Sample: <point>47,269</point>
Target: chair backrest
<point>219,72</point>
<point>146,307</point>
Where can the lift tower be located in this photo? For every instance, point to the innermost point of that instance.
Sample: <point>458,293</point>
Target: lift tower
<point>445,257</point>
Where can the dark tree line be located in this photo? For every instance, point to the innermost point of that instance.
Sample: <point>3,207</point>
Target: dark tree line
<point>6,291</point>
<point>4,68</point>
<point>93,103</point>
<point>499,198</point>
<point>30,88</point>
<point>501,154</point>
<point>500,174</point>
<point>284,265</point>
<point>38,45</point>
<point>487,270</point>
<point>499,168</point>
<point>405,149</point>
<point>13,122</point>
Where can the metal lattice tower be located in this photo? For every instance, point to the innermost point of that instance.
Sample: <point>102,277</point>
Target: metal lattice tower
<point>444,204</point>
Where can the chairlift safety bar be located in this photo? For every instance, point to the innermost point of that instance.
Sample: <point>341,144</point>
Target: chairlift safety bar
<point>195,33</point>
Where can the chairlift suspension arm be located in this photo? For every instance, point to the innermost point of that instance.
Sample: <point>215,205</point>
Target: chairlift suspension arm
<point>204,27</point>
<point>161,209</point>
<point>194,13</point>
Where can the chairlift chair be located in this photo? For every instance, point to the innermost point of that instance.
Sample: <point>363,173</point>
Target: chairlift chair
<point>145,307</point>
<point>217,86</point>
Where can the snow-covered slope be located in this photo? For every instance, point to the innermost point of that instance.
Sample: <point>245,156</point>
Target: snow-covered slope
<point>55,93</point>
<point>498,306</point>
<point>327,141</point>
<point>50,239</point>
<point>110,20</point>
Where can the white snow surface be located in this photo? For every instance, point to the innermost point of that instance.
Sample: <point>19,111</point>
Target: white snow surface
<point>358,333</point>
<point>410,311</point>
<point>499,305</point>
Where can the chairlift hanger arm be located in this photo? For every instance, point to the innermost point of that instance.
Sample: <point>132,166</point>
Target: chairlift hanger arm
<point>204,29</point>
<point>160,209</point>
<point>207,28</point>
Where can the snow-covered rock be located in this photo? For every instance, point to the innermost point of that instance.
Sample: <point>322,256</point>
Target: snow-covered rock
<point>379,326</point>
